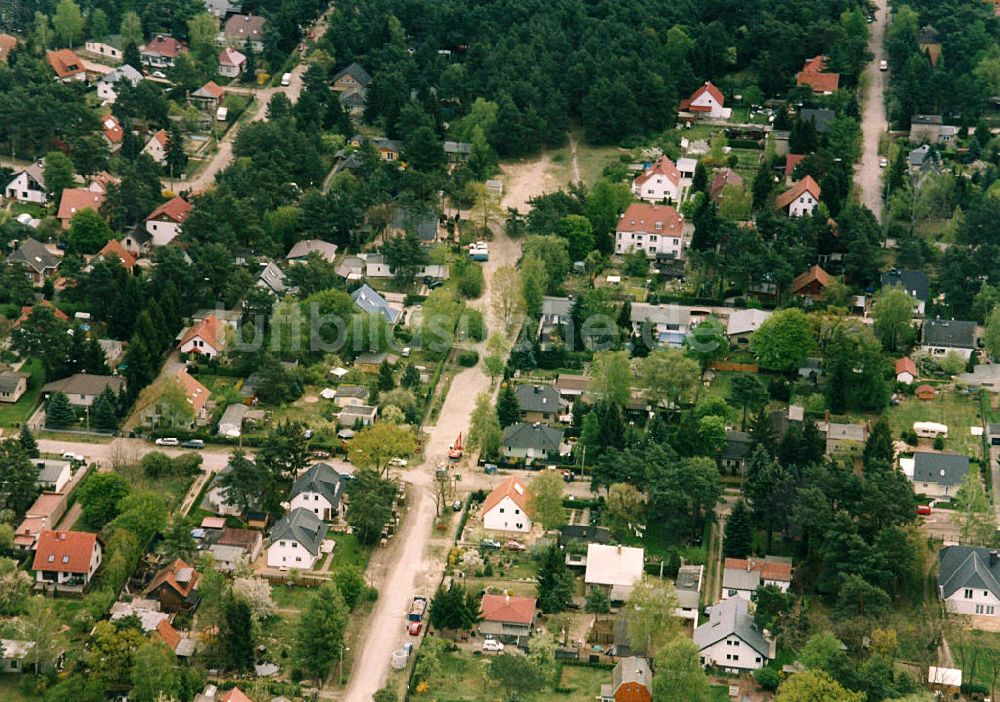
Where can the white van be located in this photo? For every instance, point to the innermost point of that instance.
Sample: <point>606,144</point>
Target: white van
<point>883,65</point>
<point>222,114</point>
<point>286,79</point>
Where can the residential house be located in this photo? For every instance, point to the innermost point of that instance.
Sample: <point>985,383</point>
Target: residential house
<point>915,283</point>
<point>457,151</point>
<point>318,490</point>
<point>539,403</point>
<point>107,86</point>
<point>351,396</point>
<point>175,587</point>
<point>83,388</point>
<point>351,78</point>
<point>222,8</point>
<point>507,619</point>
<point>114,250</point>
<point>572,387</point>
<point>614,569</point>
<point>44,513</point>
<point>929,43</point>
<point>531,442</point>
<point>687,589</point>
<point>17,656</point>
<point>658,183</point>
<point>300,251</point>
<point>353,103</point>
<point>7,45</point>
<point>113,135</point>
<point>821,118</point>
<point>631,681</point>
<point>240,29</point>
<point>147,612</point>
<point>67,65</point>
<point>28,185</point>
<point>942,336</point>
<point>743,323</point>
<point>506,507</point>
<point>156,147</point>
<point>197,396</point>
<point>584,534</point>
<point>741,577</point>
<point>924,160</point>
<point>369,301</point>
<point>110,47</point>
<point>138,241</point>
<point>799,200</point>
<point>707,101</point>
<point>842,434</point>
<point>161,52</point>
<point>724,177</point>
<point>659,230</point>
<point>295,540</point>
<point>38,262</point>
<point>556,312</point>
<point>27,311</point>
<point>231,421</point>
<point>814,76</point>
<point>52,475</point>
<point>906,371</point>
<point>969,580</point>
<point>206,338</point>
<point>938,474</point>
<point>370,361</point>
<point>13,385</point>
<point>731,640</point>
<point>167,220</point>
<point>388,149</point>
<point>736,452</point>
<point>791,163</point>
<point>231,63</point>
<point>207,97</point>
<point>810,284</point>
<point>423,223</point>
<point>74,200</point>
<point>669,323</point>
<point>66,560</point>
<point>925,129</point>
<point>235,548</point>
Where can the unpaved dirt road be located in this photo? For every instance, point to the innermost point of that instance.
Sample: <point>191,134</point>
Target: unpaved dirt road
<point>525,180</point>
<point>867,174</point>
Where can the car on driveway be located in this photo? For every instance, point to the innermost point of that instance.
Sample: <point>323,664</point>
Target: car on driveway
<point>415,628</point>
<point>490,545</point>
<point>72,457</point>
<point>167,441</point>
<point>515,546</point>
<point>492,645</point>
<point>193,444</point>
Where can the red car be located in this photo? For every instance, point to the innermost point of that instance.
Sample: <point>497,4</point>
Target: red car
<point>415,628</point>
<point>923,509</point>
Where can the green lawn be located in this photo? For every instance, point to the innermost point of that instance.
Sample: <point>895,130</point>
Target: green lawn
<point>171,487</point>
<point>349,552</point>
<point>463,677</point>
<point>20,411</point>
<point>10,690</point>
<point>972,651</point>
<point>959,412</point>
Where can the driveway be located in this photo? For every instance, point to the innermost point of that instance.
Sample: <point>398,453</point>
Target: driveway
<point>867,174</point>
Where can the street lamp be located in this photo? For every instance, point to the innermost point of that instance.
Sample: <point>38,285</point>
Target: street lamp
<point>343,650</point>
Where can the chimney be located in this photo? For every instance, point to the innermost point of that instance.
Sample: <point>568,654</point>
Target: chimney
<point>506,599</point>
<point>748,565</point>
<point>537,389</point>
<point>826,416</point>
<point>619,547</point>
<point>994,557</point>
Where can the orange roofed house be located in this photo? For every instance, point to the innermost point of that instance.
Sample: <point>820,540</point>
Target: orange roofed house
<point>656,229</point>
<point>810,284</point>
<point>631,681</point>
<point>114,250</point>
<point>156,147</point>
<point>659,182</point>
<point>74,200</point>
<point>67,65</point>
<point>906,371</point>
<point>176,587</point>
<point>66,560</point>
<point>814,75</point>
<point>800,199</point>
<point>164,412</point>
<point>207,338</point>
<point>506,508</point>
<point>507,619</point>
<point>707,101</point>
<point>165,222</point>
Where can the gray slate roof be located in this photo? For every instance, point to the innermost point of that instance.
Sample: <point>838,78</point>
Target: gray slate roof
<point>537,398</point>
<point>457,147</point>
<point>84,384</point>
<point>532,436</point>
<point>303,248</point>
<point>356,72</point>
<point>949,332</point>
<point>925,119</point>
<point>423,223</point>
<point>272,278</point>
<point>556,306</point>
<point>732,618</point>
<point>737,446</point>
<point>631,670</point>
<point>820,117</point>
<point>915,283</point>
<point>961,567</point>
<point>371,302</point>
<point>9,380</point>
<point>940,468</point>
<point>320,478</point>
<point>302,526</point>
<point>121,73</point>
<point>927,34</point>
<point>33,254</point>
<point>740,579</point>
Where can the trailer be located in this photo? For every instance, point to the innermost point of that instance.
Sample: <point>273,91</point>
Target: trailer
<point>930,430</point>
<point>417,608</point>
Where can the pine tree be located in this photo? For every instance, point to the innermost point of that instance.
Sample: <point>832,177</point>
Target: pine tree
<point>95,361</point>
<point>386,380</point>
<point>555,582</point>
<point>508,408</point>
<point>176,158</point>
<point>138,367</point>
<point>27,441</point>
<point>878,449</point>
<point>104,412</point>
<point>739,532</point>
<point>411,377</point>
<point>319,638</point>
<point>131,56</point>
<point>58,412</point>
<point>762,431</point>
<point>250,68</point>
<point>236,641</point>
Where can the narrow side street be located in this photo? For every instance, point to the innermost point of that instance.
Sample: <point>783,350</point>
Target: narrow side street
<point>867,173</point>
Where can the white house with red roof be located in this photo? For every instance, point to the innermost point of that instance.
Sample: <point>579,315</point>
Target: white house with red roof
<point>206,338</point>
<point>906,370</point>
<point>161,52</point>
<point>113,132</point>
<point>165,223</point>
<point>66,560</point>
<point>801,199</point>
<point>707,101</point>
<point>231,62</point>
<point>659,182</point>
<point>156,147</point>
<point>507,618</point>
<point>75,200</point>
<point>655,229</point>
<point>506,508</point>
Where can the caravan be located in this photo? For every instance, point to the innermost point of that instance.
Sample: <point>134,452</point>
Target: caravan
<point>930,430</point>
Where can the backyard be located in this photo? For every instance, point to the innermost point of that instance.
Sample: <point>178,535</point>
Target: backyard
<point>959,412</point>
<point>17,413</point>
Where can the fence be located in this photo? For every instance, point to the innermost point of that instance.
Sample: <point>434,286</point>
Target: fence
<point>732,366</point>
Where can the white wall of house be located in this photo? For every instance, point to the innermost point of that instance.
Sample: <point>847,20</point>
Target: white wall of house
<point>200,346</point>
<point>217,498</point>
<point>905,377</point>
<point>163,231</point>
<point>155,150</point>
<point>656,189</point>
<point>934,489</point>
<point>102,49</point>
<point>288,553</point>
<point>507,516</point>
<point>944,350</point>
<point>716,111</point>
<point>59,577</point>
<point>802,205</point>
<point>315,503</point>
<point>22,190</point>
<point>732,653</point>
<point>652,244</point>
<point>106,91</point>
<point>229,71</point>
<point>728,592</point>
<point>973,601</point>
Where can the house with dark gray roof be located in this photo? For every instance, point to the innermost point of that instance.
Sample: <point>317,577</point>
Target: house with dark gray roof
<point>368,300</point>
<point>539,403</point>
<point>915,283</point>
<point>938,474</point>
<point>318,490</point>
<point>730,640</point>
<point>531,441</point>
<point>272,278</point>
<point>12,385</point>
<point>821,118</point>
<point>924,159</point>
<point>38,263</point>
<point>295,540</point>
<point>969,580</point>
<point>423,223</point>
<point>734,455</point>
<point>942,336</point>
<point>457,151</point>
<point>82,389</point>
<point>587,534</point>
<point>631,679</point>
<point>351,78</point>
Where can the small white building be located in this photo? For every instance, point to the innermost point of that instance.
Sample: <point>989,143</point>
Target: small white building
<point>799,200</point>
<point>231,63</point>
<point>166,221</point>
<point>66,560</point>
<point>707,101</point>
<point>28,185</point>
<point>506,508</point>
<point>614,569</point>
<point>295,540</point>
<point>656,229</point>
<point>659,182</point>
<point>52,475</point>
<point>156,147</point>
<point>731,640</point>
<point>108,85</point>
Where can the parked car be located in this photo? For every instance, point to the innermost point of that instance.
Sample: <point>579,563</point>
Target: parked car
<point>167,441</point>
<point>456,506</point>
<point>492,645</point>
<point>415,628</point>
<point>193,444</point>
<point>72,457</point>
<point>923,510</point>
<point>883,65</point>
<point>515,546</point>
<point>883,162</point>
<point>490,545</point>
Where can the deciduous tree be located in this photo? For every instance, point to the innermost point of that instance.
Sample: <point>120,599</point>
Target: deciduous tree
<point>545,496</point>
<point>679,673</point>
<point>650,614</point>
<point>375,446</point>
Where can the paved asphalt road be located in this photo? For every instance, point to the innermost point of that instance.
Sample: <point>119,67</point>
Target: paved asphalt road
<point>867,174</point>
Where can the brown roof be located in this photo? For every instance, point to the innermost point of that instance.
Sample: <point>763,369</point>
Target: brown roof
<point>75,199</point>
<point>234,695</point>
<point>114,248</point>
<point>113,131</point>
<point>163,46</point>
<point>26,312</point>
<point>791,161</point>
<point>197,393</point>
<point>651,219</point>
<point>926,390</point>
<point>504,608</point>
<point>906,365</point>
<point>664,167</point>
<point>769,570</point>
<point>799,187</point>
<point>104,180</point>
<point>513,488</point>
<point>245,27</point>
<point>813,75</point>
<point>245,538</point>
<point>46,504</point>
<point>168,575</point>
<point>7,44</point>
<point>209,329</point>
<point>707,88</point>
<point>213,89</point>
<point>565,381</point>
<point>166,631</point>
<point>231,57</point>
<point>813,274</point>
<point>726,176</point>
<point>65,551</point>
<point>175,210</point>
<point>65,63</point>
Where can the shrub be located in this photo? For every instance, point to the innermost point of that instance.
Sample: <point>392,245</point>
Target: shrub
<point>939,443</point>
<point>780,389</point>
<point>467,359</point>
<point>909,436</point>
<point>475,324</point>
<point>767,677</point>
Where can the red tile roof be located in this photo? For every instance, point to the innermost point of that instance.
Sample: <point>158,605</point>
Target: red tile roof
<point>769,570</point>
<point>244,538</point>
<point>813,75</point>
<point>926,390</point>
<point>815,273</point>
<point>104,180</point>
<point>161,137</point>
<point>231,57</point>
<point>651,219</point>
<point>513,488</point>
<point>906,365</point>
<point>727,176</point>
<point>175,210</point>
<point>791,161</point>
<point>163,46</point>
<point>114,248</point>
<point>504,608</point>
<point>7,44</point>
<point>65,551</point>
<point>113,131</point>
<point>234,695</point>
<point>664,167</point>
<point>75,199</point>
<point>197,393</point>
<point>26,312</point>
<point>209,330</point>
<point>213,89</point>
<point>168,575</point>
<point>799,187</point>
<point>707,88</point>
<point>65,63</point>
<point>166,631</point>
